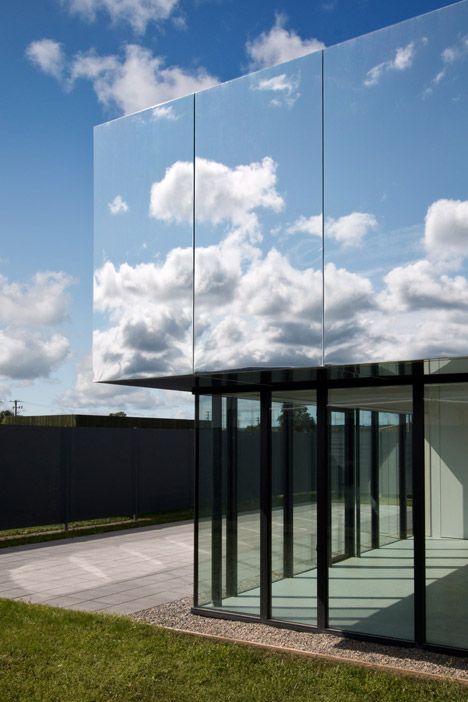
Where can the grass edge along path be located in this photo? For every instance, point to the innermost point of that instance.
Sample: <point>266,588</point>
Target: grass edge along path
<point>383,667</point>
<point>49,654</point>
<point>34,535</point>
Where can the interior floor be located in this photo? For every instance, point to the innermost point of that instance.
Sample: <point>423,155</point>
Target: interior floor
<point>373,593</point>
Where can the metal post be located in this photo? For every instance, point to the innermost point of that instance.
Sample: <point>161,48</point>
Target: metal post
<point>402,431</point>
<point>323,500</point>
<point>265,504</point>
<point>288,490</point>
<point>196,510</point>
<point>350,486</point>
<point>217,519</point>
<point>419,504</point>
<point>231,506</point>
<point>357,477</point>
<point>375,488</point>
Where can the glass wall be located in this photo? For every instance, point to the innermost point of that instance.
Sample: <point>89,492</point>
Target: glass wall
<point>446,468</point>
<point>294,506</point>
<point>220,195</point>
<point>371,571</point>
<point>396,228</point>
<point>143,253</point>
<point>258,234</point>
<point>374,441</point>
<point>229,503</point>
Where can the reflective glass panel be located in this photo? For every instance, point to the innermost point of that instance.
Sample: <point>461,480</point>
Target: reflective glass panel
<point>143,244</point>
<point>229,503</point>
<point>258,267</point>
<point>396,197</point>
<point>446,438</point>
<point>371,548</point>
<point>294,506</point>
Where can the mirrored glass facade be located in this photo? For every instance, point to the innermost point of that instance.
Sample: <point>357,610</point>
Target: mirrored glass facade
<point>143,278</point>
<point>290,247</point>
<point>258,225</point>
<point>396,199</point>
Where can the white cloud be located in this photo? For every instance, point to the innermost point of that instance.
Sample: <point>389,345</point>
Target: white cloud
<point>402,60</point>
<point>449,56</point>
<point>446,229</point>
<point>138,80</point>
<point>43,301</point>
<point>278,45</point>
<point>421,285</point>
<point>137,13</point>
<point>307,225</point>
<point>222,193</point>
<point>348,230</point>
<point>118,205</point>
<point>91,396</point>
<point>28,349</point>
<point>285,89</point>
<point>165,112</point>
<point>47,55</point>
<point>131,82</point>
<point>28,355</point>
<point>241,293</point>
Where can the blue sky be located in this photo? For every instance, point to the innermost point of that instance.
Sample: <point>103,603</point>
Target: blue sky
<point>53,94</point>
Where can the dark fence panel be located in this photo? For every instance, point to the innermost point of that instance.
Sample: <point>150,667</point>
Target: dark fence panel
<point>165,470</point>
<point>54,475</point>
<point>101,467</point>
<point>31,484</point>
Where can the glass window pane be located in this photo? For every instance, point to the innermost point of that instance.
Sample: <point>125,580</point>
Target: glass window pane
<point>294,506</point>
<point>396,252</point>
<point>258,234</point>
<point>143,244</point>
<point>371,549</point>
<point>229,503</point>
<point>446,437</point>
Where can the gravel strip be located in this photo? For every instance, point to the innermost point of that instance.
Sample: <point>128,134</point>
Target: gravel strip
<point>177,615</point>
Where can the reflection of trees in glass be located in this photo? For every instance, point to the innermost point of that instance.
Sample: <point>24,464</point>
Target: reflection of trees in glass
<point>253,427</point>
<point>301,419</point>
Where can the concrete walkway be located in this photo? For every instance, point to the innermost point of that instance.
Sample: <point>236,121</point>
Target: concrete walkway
<point>120,572</point>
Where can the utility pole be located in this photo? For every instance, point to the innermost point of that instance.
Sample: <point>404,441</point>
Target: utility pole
<point>17,405</point>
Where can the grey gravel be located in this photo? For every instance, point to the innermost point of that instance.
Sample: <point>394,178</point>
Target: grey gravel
<point>177,615</point>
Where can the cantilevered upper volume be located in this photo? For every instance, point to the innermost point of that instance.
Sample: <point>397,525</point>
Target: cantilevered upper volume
<point>314,212</point>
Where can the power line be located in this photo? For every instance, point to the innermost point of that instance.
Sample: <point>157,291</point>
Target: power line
<point>17,406</point>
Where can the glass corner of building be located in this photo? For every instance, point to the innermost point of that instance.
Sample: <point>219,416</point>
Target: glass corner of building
<point>367,469</point>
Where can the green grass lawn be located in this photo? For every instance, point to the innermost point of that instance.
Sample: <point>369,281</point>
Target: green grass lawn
<point>52,532</point>
<point>53,655</point>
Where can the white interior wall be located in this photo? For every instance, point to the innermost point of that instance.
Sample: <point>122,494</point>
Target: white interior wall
<point>446,465</point>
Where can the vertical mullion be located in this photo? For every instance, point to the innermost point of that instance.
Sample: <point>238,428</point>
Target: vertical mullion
<point>265,504</point>
<point>357,477</point>
<point>402,474</point>
<point>375,487</point>
<point>231,505</point>
<point>419,504</point>
<point>217,518</point>
<point>350,486</point>
<point>323,500</point>
<point>196,511</point>
<point>288,490</point>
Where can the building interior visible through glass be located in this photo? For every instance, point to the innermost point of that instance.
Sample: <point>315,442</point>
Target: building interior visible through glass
<point>289,247</point>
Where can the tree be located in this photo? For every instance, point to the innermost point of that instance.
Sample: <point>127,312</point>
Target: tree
<point>302,420</point>
<point>5,413</point>
<point>117,414</point>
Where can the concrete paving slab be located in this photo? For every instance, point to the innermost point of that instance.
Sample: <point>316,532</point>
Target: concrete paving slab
<point>122,572</point>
